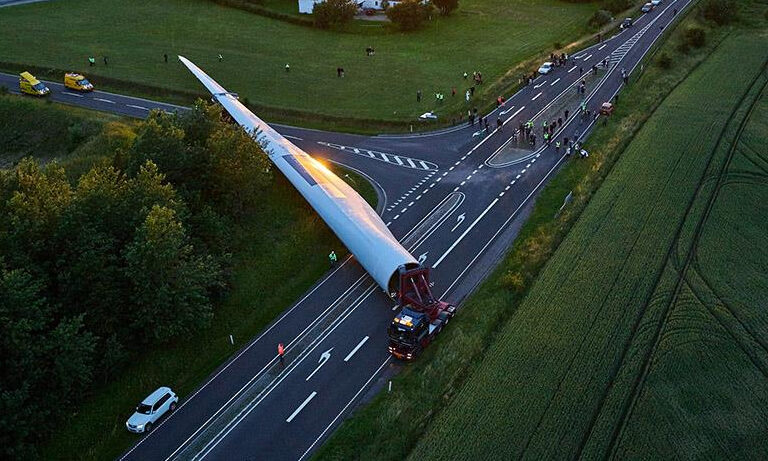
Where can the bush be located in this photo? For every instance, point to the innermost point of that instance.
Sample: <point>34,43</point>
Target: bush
<point>719,11</point>
<point>617,6</point>
<point>599,19</point>
<point>409,15</point>
<point>695,37</point>
<point>664,61</point>
<point>446,6</point>
<point>333,13</point>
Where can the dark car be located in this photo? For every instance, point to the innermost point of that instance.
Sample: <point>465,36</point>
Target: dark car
<point>627,22</point>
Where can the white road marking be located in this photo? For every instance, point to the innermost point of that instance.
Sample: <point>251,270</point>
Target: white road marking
<point>536,87</point>
<point>137,107</point>
<point>536,97</point>
<point>572,69</point>
<point>510,118</point>
<point>293,137</point>
<point>104,100</point>
<point>602,47</point>
<point>362,388</point>
<point>72,94</point>
<point>301,407</point>
<point>587,58</point>
<point>459,219</point>
<point>357,348</point>
<point>506,111</point>
<point>324,357</point>
<point>461,237</point>
<point>553,83</point>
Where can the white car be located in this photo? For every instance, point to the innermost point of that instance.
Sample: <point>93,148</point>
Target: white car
<point>655,2</point>
<point>545,68</point>
<point>152,408</point>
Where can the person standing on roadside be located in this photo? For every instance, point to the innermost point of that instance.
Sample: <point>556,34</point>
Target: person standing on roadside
<point>418,95</point>
<point>499,124</point>
<point>332,258</point>
<point>281,354</point>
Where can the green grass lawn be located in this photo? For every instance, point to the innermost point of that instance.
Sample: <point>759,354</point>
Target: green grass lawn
<point>490,36</point>
<point>644,337</point>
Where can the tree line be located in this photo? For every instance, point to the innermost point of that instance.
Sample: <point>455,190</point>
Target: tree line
<point>131,253</point>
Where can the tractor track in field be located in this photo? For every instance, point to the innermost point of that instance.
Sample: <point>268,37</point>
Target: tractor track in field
<point>639,382</point>
<point>633,331</point>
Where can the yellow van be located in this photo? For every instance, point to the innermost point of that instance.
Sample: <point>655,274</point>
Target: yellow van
<point>28,84</point>
<point>77,82</point>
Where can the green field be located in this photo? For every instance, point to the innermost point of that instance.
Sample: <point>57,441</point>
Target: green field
<point>489,36</point>
<point>645,335</point>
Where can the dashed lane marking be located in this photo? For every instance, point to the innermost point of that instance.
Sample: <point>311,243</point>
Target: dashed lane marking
<point>536,97</point>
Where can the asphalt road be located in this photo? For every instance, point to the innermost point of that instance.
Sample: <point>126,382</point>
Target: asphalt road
<point>455,198</point>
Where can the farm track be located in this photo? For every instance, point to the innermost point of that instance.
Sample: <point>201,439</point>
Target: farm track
<point>633,331</point>
<point>639,382</point>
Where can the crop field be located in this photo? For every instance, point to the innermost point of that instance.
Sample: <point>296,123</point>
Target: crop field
<point>482,35</point>
<point>646,335</point>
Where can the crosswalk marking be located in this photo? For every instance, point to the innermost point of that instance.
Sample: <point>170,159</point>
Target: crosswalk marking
<point>393,159</point>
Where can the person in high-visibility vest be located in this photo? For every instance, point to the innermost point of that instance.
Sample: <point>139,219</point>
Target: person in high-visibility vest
<point>281,353</point>
<point>557,146</point>
<point>332,258</point>
<point>91,61</point>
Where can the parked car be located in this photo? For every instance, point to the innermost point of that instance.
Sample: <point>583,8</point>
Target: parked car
<point>545,68</point>
<point>151,409</point>
<point>655,2</point>
<point>28,84</point>
<point>626,23</point>
<point>77,82</point>
<point>647,8</point>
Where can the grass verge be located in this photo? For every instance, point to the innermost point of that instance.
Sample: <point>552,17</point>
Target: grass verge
<point>392,424</point>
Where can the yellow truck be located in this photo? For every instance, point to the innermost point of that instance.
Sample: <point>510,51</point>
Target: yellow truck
<point>77,82</point>
<point>28,84</point>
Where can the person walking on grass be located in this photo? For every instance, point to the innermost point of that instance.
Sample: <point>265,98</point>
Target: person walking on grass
<point>332,258</point>
<point>287,68</point>
<point>105,61</point>
<point>221,58</point>
<point>91,61</point>
<point>165,57</point>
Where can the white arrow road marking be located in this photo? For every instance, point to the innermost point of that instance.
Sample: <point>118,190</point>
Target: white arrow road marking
<point>323,358</point>
<point>136,107</point>
<point>423,257</point>
<point>357,348</point>
<point>536,87</point>
<point>460,220</point>
<point>301,407</point>
<point>536,97</point>
<point>72,94</point>
<point>507,111</point>
<point>461,237</point>
<point>104,100</point>
<point>553,83</point>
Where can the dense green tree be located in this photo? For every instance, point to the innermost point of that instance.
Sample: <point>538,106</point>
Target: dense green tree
<point>45,364</point>
<point>170,282</point>
<point>333,12</point>
<point>409,14</point>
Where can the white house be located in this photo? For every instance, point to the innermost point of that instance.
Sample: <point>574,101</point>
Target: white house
<point>306,6</point>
